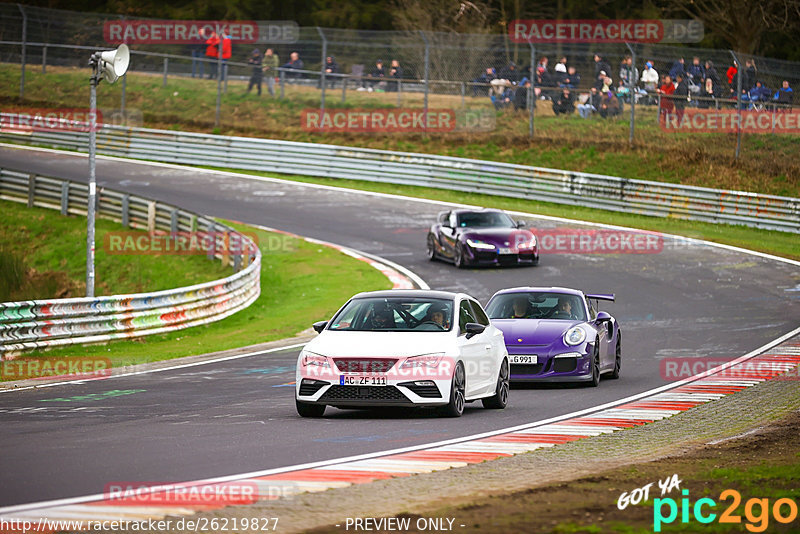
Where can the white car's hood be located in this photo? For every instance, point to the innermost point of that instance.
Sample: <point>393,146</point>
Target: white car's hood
<point>381,344</point>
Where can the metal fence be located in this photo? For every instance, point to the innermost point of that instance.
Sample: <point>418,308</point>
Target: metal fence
<point>57,322</point>
<point>451,67</point>
<point>458,174</point>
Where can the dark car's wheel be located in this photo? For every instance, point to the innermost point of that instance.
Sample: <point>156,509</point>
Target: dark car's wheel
<point>617,359</point>
<point>309,410</point>
<point>499,400</point>
<point>431,248</point>
<point>455,407</point>
<point>595,366</point>
<point>458,256</point>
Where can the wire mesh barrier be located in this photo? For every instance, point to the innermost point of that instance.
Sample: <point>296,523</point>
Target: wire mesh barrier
<point>326,68</point>
<point>29,325</point>
<point>459,174</point>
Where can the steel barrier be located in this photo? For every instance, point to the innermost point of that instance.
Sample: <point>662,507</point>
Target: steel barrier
<point>36,324</point>
<point>458,174</point>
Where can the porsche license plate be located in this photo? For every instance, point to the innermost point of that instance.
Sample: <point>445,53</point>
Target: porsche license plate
<point>356,380</point>
<point>507,251</point>
<point>523,358</point>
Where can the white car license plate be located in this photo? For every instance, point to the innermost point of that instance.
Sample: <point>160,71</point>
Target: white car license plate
<point>359,380</point>
<point>523,358</point>
<point>507,251</point>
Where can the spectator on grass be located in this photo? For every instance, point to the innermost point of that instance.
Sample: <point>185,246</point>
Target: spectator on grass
<point>678,67</point>
<point>591,105</point>
<point>257,74</point>
<point>572,80</point>
<point>560,71</point>
<point>711,72</point>
<point>501,94</point>
<point>759,93</point>
<point>623,92</point>
<point>600,64</point>
<point>666,91</point>
<point>750,75</point>
<point>564,104</point>
<point>198,50</point>
<point>396,73</point>
<point>650,77</point>
<point>270,67</point>
<point>295,64</point>
<point>331,67</point>
<point>681,94</point>
<point>510,73</point>
<point>481,82</point>
<point>609,105</point>
<point>521,94</point>
<point>707,95</point>
<point>212,51</point>
<point>377,75</point>
<point>696,72</point>
<point>784,94</point>
<point>600,80</point>
<point>628,73</point>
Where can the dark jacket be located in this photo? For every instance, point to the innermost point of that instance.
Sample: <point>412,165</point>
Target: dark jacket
<point>680,94</point>
<point>332,65</point>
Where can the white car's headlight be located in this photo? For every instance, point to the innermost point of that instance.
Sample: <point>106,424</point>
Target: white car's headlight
<point>575,336</point>
<point>480,245</point>
<point>309,358</point>
<point>423,360</point>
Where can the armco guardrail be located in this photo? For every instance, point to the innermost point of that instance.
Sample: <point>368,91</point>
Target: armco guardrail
<point>475,176</point>
<point>51,323</point>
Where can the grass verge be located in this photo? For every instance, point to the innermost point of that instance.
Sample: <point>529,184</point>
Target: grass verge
<point>768,163</point>
<point>772,242</point>
<point>301,282</point>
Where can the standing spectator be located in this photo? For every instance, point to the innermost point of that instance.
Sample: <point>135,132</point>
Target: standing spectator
<point>481,82</point>
<point>560,71</point>
<point>609,105</point>
<point>600,64</point>
<point>396,73</point>
<point>750,75</point>
<point>696,72</point>
<point>707,95</point>
<point>564,104</point>
<point>572,80</point>
<point>677,68</point>
<point>294,63</point>
<point>666,90</point>
<point>227,51</point>
<point>331,67</point>
<point>521,94</point>
<point>681,94</point>
<point>600,81</point>
<point>212,50</point>
<point>649,77</point>
<point>592,104</point>
<point>378,73</point>
<point>628,73</point>
<point>257,74</point>
<point>270,67</point>
<point>731,74</point>
<point>711,72</point>
<point>510,73</point>
<point>198,52</point>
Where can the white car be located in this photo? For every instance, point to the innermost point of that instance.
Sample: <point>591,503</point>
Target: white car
<point>414,348</point>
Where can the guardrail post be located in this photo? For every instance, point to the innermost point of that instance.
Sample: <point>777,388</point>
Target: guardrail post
<point>64,198</point>
<point>399,93</point>
<point>212,241</point>
<point>282,81</point>
<point>166,68</point>
<point>44,59</point>
<point>24,46</point>
<point>173,221</point>
<point>192,222</point>
<point>126,210</point>
<point>151,217</point>
<point>344,89</point>
<point>237,261</point>
<point>31,189</point>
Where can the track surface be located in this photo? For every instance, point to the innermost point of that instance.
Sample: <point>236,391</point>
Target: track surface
<point>238,416</point>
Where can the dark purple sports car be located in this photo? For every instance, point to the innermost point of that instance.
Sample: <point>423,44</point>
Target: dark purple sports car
<point>481,237</point>
<point>554,334</point>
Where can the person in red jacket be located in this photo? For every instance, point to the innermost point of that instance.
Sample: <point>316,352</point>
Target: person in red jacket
<point>212,50</point>
<point>667,105</point>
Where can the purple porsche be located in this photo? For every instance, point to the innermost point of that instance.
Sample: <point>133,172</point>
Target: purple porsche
<point>481,237</point>
<point>554,334</point>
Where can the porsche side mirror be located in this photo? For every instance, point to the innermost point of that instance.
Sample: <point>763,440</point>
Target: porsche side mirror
<point>521,224</point>
<point>602,317</point>
<point>473,329</point>
<point>320,326</point>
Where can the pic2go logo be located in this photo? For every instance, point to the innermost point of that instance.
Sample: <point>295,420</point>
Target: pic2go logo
<point>756,511</point>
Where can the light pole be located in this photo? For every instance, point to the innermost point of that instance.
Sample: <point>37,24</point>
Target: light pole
<point>109,65</point>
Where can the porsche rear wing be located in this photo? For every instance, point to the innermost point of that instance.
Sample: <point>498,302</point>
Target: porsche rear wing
<point>600,296</point>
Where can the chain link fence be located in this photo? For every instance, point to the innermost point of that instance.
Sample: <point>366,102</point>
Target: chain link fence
<point>425,70</point>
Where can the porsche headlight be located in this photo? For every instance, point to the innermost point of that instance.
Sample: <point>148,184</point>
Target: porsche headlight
<point>423,360</point>
<point>575,336</point>
<point>309,359</point>
<point>531,243</point>
<point>480,245</point>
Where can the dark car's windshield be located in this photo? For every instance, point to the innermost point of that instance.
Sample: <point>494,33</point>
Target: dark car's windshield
<point>489,219</point>
<point>397,314</point>
<point>537,305</point>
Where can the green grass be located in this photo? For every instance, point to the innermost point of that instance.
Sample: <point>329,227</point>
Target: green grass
<point>772,242</point>
<point>50,250</point>
<point>768,163</point>
<point>300,283</point>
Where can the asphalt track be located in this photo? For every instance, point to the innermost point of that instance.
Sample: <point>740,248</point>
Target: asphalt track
<point>238,416</point>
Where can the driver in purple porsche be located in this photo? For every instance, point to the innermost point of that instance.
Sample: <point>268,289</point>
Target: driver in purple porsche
<point>563,309</point>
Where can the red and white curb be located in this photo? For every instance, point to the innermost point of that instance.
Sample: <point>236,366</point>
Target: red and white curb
<point>773,361</point>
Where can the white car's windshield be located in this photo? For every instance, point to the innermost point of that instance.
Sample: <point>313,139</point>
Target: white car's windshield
<point>489,219</point>
<point>418,314</point>
<point>537,305</point>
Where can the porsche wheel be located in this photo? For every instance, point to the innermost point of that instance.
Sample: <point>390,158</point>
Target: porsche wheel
<point>457,387</point>
<point>309,410</point>
<point>431,248</point>
<point>595,367</point>
<point>499,400</point>
<point>617,359</point>
<point>458,256</point>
